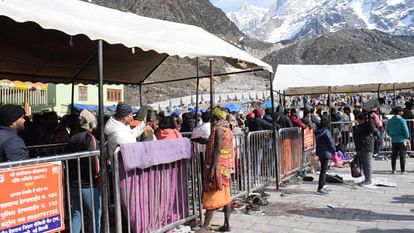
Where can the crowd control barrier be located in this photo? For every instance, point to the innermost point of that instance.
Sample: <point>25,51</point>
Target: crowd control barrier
<point>342,133</point>
<point>290,154</point>
<point>261,158</point>
<point>152,193</point>
<point>50,193</point>
<point>155,186</point>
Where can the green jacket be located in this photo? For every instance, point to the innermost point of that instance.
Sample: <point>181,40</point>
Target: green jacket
<point>397,129</point>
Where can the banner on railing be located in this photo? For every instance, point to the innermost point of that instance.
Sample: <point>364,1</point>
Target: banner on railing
<point>307,139</point>
<point>31,199</point>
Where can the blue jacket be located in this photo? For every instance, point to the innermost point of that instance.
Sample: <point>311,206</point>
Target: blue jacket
<point>397,129</point>
<point>325,145</point>
<point>12,147</point>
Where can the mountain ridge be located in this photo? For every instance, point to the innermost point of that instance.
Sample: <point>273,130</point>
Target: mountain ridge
<point>295,19</point>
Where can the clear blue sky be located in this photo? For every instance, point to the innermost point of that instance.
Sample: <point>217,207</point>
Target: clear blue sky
<point>229,5</point>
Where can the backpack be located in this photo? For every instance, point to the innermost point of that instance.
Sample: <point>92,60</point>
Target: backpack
<point>356,167</point>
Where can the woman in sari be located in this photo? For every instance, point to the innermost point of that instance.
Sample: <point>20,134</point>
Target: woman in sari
<point>217,169</point>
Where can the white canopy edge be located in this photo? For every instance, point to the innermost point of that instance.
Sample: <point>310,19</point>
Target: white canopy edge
<point>75,17</point>
<point>360,77</point>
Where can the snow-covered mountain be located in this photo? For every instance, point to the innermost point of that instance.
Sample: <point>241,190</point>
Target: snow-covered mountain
<point>247,17</point>
<point>297,19</point>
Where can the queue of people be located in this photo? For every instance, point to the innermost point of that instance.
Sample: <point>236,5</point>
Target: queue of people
<point>214,130</point>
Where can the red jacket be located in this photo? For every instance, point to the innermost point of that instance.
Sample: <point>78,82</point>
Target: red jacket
<point>297,123</point>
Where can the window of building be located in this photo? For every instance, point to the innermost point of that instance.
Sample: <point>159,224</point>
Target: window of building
<point>83,93</point>
<point>113,95</point>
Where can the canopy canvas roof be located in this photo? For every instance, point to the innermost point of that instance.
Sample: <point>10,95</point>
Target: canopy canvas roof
<point>56,41</point>
<point>348,78</point>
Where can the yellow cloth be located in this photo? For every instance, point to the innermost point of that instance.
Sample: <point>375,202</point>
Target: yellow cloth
<point>218,112</point>
<point>216,199</point>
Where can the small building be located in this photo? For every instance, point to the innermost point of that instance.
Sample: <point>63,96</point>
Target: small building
<point>40,97</point>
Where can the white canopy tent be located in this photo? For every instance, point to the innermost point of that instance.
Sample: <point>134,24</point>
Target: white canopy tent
<point>63,41</point>
<point>348,78</point>
<point>53,41</point>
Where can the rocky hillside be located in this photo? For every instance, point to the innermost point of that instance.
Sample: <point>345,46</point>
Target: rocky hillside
<point>195,12</point>
<point>346,46</point>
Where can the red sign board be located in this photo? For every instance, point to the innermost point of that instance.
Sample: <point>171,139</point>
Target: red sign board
<point>307,139</point>
<point>31,199</point>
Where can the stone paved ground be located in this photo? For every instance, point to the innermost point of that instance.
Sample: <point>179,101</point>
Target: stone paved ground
<point>297,208</point>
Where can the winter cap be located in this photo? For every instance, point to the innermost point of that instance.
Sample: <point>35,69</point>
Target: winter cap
<point>250,115</point>
<point>87,120</point>
<point>258,112</point>
<point>10,113</point>
<point>122,110</point>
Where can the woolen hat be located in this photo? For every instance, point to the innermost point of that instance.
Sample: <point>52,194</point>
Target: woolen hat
<point>122,110</point>
<point>87,120</point>
<point>258,112</point>
<point>10,113</point>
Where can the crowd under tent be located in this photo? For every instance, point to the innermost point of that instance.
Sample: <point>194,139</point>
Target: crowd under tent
<point>349,78</point>
<point>74,41</point>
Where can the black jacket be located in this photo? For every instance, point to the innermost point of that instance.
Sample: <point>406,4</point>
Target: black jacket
<point>363,136</point>
<point>82,141</point>
<point>325,145</point>
<point>12,147</point>
<point>258,124</point>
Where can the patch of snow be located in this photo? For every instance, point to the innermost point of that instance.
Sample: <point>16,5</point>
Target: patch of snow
<point>395,2</point>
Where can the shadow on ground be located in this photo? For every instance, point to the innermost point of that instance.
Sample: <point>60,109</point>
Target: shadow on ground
<point>386,231</point>
<point>404,199</point>
<point>343,214</point>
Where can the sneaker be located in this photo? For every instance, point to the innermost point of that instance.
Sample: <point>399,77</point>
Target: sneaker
<point>322,191</point>
<point>403,173</point>
<point>326,188</point>
<point>392,172</point>
<point>368,185</point>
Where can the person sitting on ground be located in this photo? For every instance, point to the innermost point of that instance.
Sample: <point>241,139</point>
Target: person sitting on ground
<point>325,147</point>
<point>12,147</point>
<point>397,129</point>
<point>118,130</point>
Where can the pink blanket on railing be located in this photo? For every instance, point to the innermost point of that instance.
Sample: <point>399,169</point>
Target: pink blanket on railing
<point>153,182</point>
<point>146,154</point>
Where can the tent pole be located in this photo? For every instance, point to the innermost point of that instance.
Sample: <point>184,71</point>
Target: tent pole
<point>72,98</point>
<point>211,87</point>
<point>103,159</point>
<point>197,87</point>
<point>329,107</point>
<point>274,131</point>
<point>140,95</point>
<point>395,95</point>
<point>378,92</point>
<point>284,99</point>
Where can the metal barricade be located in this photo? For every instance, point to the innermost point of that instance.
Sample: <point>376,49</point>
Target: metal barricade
<point>79,185</point>
<point>290,149</point>
<point>261,158</point>
<point>158,198</point>
<point>384,143</point>
<point>46,150</point>
<point>386,148</point>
